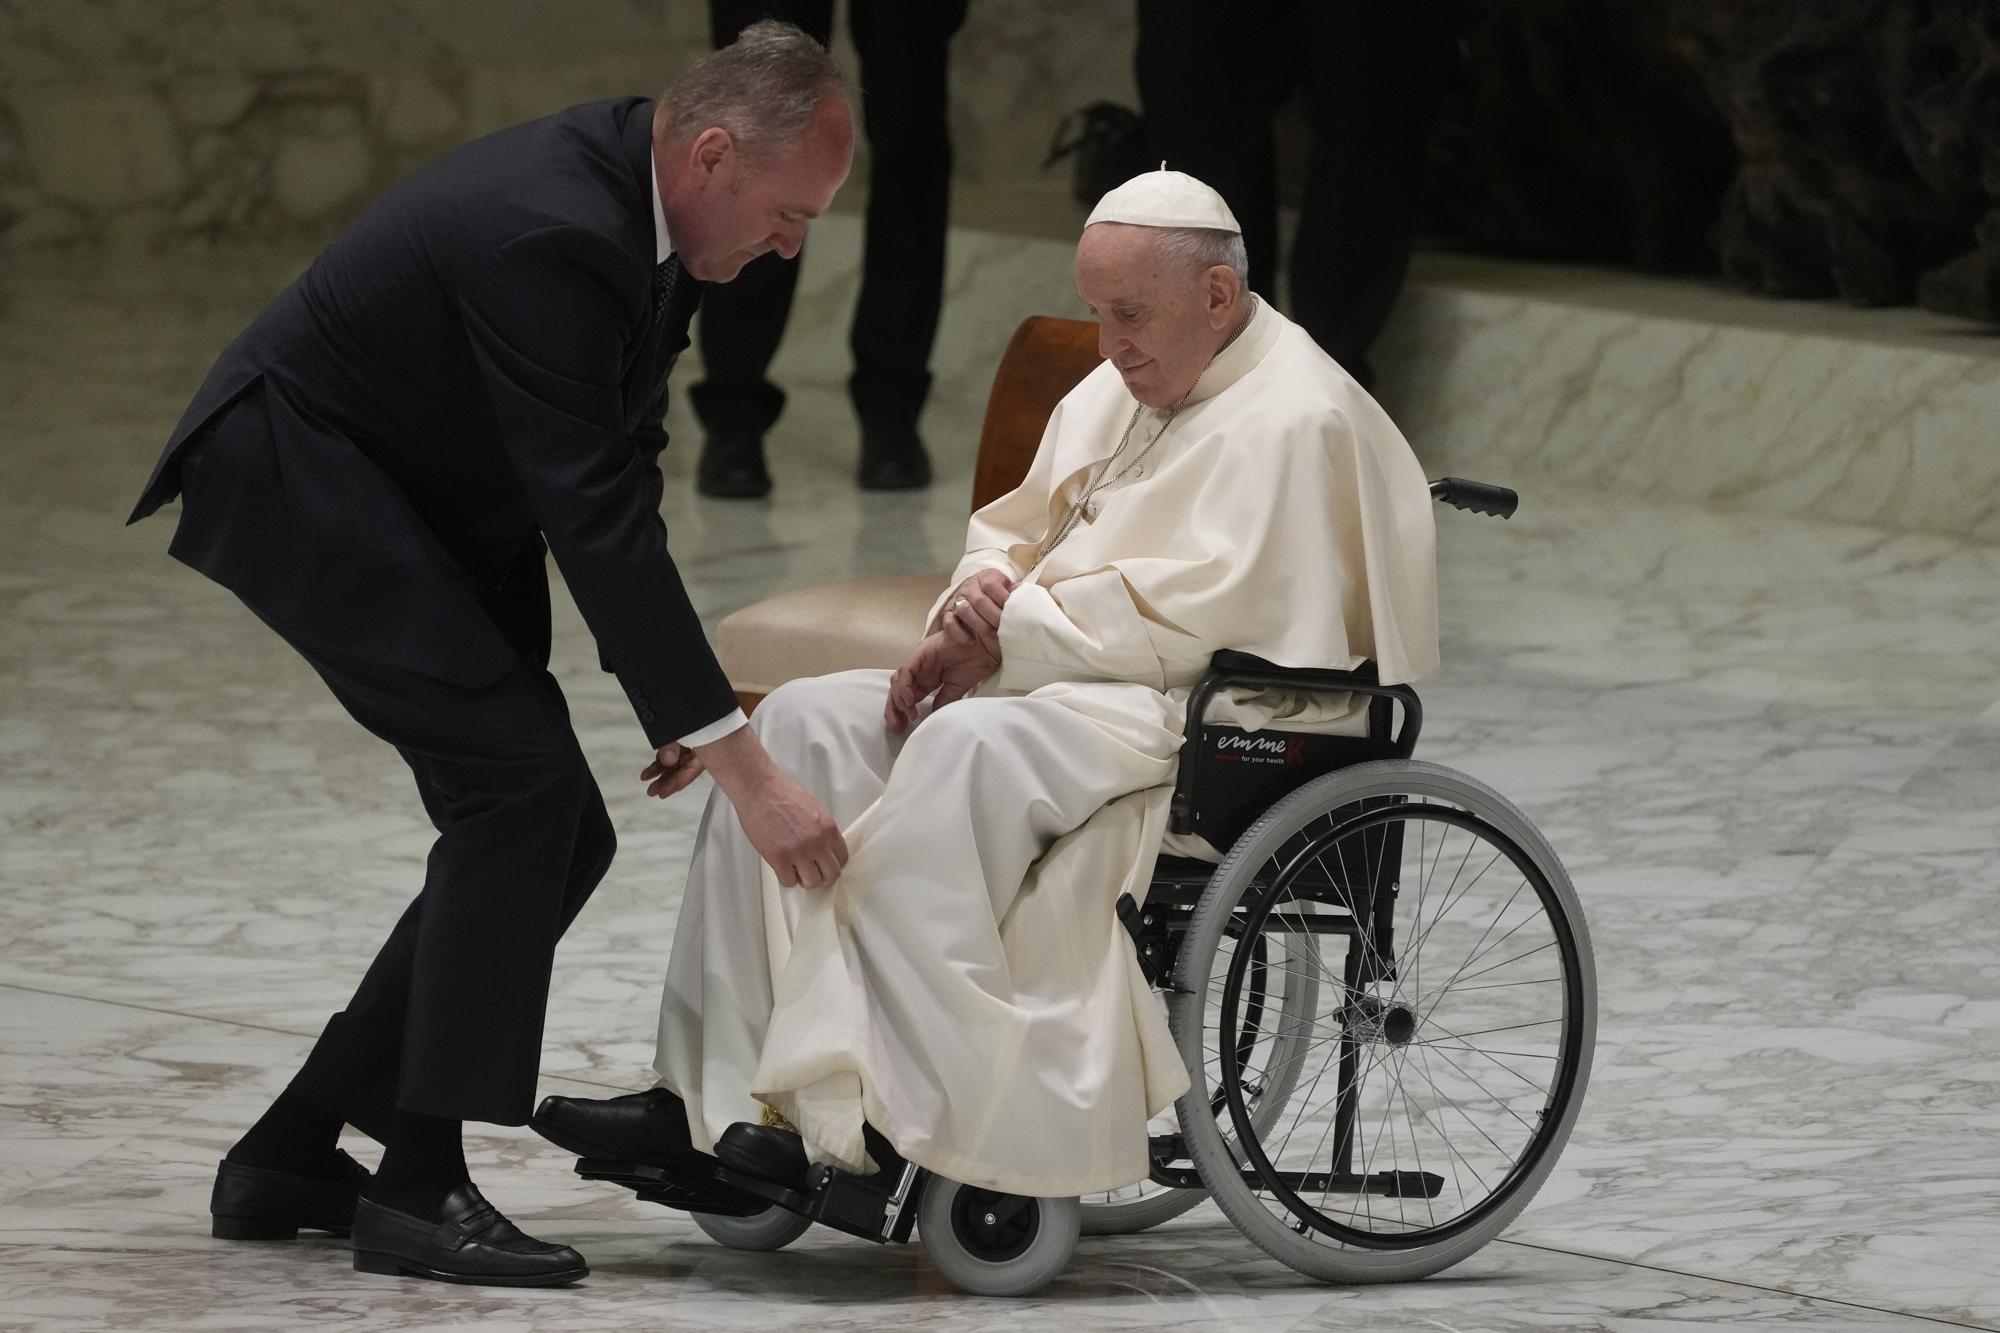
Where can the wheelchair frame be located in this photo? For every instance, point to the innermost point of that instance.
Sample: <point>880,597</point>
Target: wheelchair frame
<point>1203,804</point>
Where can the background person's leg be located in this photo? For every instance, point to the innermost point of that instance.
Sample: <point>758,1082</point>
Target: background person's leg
<point>1373,73</point>
<point>1210,81</point>
<point>742,322</point>
<point>905,54</point>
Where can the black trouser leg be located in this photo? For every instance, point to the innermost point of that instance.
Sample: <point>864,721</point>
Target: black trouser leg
<point>742,322</point>
<point>447,1021</point>
<point>1208,87</point>
<point>905,55</point>
<point>1373,73</point>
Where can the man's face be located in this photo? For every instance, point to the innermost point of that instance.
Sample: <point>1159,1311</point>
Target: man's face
<point>726,209</point>
<point>1158,321</point>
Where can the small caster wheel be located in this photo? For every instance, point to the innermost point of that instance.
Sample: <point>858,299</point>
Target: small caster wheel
<point>772,1229</point>
<point>994,1244</point>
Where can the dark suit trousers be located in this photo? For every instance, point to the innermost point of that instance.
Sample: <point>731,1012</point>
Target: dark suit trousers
<point>903,49</point>
<point>448,1019</point>
<point>1372,73</point>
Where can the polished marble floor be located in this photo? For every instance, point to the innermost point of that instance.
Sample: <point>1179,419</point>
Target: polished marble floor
<point>1769,751</point>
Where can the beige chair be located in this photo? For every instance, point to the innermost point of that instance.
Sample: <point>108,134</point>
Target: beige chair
<point>876,622</point>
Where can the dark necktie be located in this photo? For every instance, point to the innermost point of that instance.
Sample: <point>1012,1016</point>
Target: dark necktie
<point>664,277</point>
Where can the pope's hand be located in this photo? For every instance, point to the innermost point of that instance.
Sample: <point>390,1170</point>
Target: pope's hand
<point>972,613</point>
<point>940,667</point>
<point>672,769</point>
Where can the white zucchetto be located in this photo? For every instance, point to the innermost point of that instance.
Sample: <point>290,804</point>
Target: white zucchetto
<point>1165,199</point>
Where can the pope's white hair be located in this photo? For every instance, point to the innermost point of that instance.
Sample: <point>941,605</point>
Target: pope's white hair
<point>1204,248</point>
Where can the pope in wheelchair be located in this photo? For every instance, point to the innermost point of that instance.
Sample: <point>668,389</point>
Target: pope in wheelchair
<point>965,1005</point>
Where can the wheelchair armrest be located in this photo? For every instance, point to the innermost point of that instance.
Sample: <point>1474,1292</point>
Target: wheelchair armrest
<point>1481,497</point>
<point>1229,668</point>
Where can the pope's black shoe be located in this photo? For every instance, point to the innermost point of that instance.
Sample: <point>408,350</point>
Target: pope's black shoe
<point>766,1152</point>
<point>471,1243</point>
<point>778,1155</point>
<point>259,1203</point>
<point>648,1127</point>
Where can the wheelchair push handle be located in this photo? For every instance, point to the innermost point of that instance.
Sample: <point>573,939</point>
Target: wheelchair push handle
<point>1478,496</point>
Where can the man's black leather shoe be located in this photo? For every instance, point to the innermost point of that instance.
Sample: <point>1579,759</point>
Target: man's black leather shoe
<point>732,468</point>
<point>472,1243</point>
<point>893,460</point>
<point>258,1203</point>
<point>766,1152</point>
<point>649,1127</point>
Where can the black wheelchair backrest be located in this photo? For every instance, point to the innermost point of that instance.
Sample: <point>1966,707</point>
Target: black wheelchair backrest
<point>1229,776</point>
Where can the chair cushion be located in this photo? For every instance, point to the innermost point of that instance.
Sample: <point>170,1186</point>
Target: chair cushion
<point>833,627</point>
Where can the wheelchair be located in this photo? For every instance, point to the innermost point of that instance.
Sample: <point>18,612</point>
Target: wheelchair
<point>1384,994</point>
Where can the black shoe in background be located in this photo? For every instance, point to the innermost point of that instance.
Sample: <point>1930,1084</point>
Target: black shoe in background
<point>732,468</point>
<point>893,458</point>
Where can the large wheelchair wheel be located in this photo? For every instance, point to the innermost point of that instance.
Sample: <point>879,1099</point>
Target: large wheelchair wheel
<point>1444,1061</point>
<point>1281,994</point>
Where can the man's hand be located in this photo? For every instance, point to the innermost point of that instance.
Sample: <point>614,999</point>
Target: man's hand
<point>942,667</point>
<point>792,832</point>
<point>672,769</point>
<point>972,613</point>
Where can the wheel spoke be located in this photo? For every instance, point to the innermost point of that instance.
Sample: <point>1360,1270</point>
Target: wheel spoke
<point>1500,1102</point>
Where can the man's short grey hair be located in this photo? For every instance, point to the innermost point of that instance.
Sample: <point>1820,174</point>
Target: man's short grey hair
<point>1204,248</point>
<point>763,88</point>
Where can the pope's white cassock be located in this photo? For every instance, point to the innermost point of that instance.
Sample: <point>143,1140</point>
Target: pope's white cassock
<point>965,986</point>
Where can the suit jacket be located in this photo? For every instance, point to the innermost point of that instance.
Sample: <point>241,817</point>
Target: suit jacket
<point>472,374</point>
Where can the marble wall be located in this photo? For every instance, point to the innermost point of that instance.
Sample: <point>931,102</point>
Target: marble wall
<point>148,124</point>
<point>1683,390</point>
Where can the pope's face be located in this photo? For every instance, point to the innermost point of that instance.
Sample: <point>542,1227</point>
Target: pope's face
<point>727,209</point>
<point>1158,321</point>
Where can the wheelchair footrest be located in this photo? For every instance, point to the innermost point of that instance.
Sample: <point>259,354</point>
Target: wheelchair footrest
<point>656,1184</point>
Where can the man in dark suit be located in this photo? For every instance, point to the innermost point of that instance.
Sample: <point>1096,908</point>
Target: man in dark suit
<point>473,376</point>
